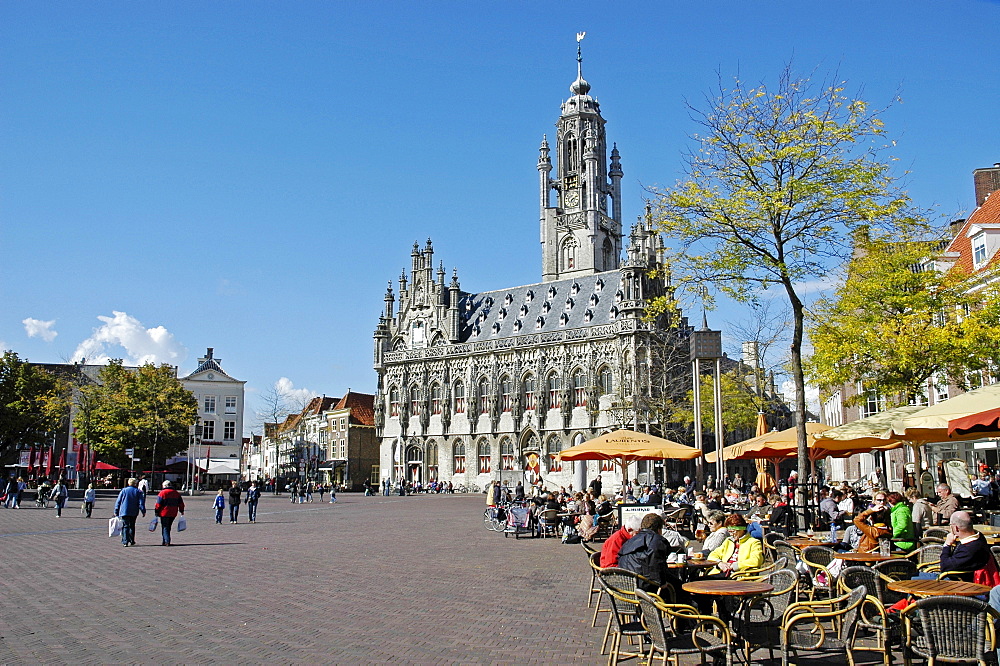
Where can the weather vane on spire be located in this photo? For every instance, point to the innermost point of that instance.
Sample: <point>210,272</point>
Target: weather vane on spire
<point>579,38</point>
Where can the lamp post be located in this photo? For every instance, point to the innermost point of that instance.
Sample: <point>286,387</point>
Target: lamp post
<point>706,345</point>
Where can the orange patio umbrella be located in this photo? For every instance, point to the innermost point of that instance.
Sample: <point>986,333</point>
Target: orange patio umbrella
<point>625,446</point>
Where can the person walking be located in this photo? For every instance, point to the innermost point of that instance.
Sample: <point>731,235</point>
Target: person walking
<point>89,497</point>
<point>130,503</point>
<point>309,490</point>
<point>59,495</point>
<point>234,501</point>
<point>253,496</point>
<point>168,503</point>
<point>333,493</point>
<point>220,504</point>
<point>11,491</point>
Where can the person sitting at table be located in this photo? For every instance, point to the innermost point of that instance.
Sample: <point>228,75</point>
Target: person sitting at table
<point>947,505</point>
<point>654,498</point>
<point>717,532</point>
<point>646,554</point>
<point>740,551</point>
<point>920,512</point>
<point>873,524</point>
<point>902,522</point>
<point>965,550</point>
<point>701,510</point>
<point>782,517</point>
<point>609,553</point>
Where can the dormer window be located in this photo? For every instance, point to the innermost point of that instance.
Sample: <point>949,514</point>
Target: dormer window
<point>552,292</point>
<point>569,303</point>
<point>502,314</point>
<point>575,289</point>
<point>979,253</point>
<point>563,319</point>
<point>488,303</point>
<point>539,323</point>
<point>614,313</point>
<point>546,306</point>
<point>588,315</point>
<point>523,311</point>
<point>517,325</point>
<point>599,285</point>
<point>476,330</point>
<point>508,299</point>
<point>496,327</point>
<point>593,300</point>
<point>529,296</point>
<point>619,296</point>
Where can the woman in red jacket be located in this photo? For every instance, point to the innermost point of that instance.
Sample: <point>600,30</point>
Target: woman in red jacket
<point>168,503</point>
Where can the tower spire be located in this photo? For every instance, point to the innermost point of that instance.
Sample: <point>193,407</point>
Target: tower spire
<point>580,86</point>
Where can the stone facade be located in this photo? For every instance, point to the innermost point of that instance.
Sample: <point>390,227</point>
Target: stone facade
<point>493,384</point>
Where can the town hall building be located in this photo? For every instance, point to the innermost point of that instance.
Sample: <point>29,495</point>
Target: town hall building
<point>489,385</point>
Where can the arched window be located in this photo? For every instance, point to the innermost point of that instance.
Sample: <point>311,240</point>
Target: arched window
<point>436,399</point>
<point>414,400</point>
<point>529,392</point>
<point>459,397</point>
<point>607,384</point>
<point>608,255</point>
<point>459,457</point>
<point>432,461</point>
<point>506,394</point>
<point>570,152</point>
<point>568,257</point>
<point>579,389</point>
<point>484,396</point>
<point>506,454</point>
<point>484,457</point>
<point>555,391</point>
<point>393,401</point>
<point>552,448</point>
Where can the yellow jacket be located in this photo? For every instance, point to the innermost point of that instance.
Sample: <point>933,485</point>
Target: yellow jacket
<point>751,553</point>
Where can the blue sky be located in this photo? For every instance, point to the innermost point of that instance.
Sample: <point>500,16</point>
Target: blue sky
<point>248,176</point>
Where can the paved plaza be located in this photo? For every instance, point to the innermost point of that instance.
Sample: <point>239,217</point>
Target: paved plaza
<point>367,580</point>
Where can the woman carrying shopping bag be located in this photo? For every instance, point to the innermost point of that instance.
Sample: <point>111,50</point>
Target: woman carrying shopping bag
<point>168,504</point>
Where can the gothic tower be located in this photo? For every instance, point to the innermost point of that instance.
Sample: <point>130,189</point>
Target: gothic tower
<point>579,237</point>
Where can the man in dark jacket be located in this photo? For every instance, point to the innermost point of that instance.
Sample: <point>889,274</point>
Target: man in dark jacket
<point>130,503</point>
<point>646,552</point>
<point>965,549</point>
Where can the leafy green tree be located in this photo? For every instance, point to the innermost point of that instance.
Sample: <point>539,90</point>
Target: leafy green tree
<point>33,402</point>
<point>145,408</point>
<point>739,404</point>
<point>896,322</point>
<point>769,197</point>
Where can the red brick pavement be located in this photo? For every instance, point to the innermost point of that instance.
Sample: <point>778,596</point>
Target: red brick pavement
<point>367,580</point>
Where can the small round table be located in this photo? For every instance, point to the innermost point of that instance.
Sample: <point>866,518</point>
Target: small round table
<point>932,588</point>
<point>727,588</point>
<point>867,558</point>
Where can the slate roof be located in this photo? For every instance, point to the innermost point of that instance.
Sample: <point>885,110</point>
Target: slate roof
<point>577,302</point>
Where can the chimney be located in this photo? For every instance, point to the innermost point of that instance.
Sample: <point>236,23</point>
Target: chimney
<point>955,226</point>
<point>986,180</point>
<point>209,353</point>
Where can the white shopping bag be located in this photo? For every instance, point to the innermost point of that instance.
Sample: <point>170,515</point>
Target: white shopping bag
<point>115,526</point>
<point>182,524</point>
<point>153,523</point>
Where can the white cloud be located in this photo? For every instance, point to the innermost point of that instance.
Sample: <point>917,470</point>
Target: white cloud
<point>123,336</point>
<point>812,395</point>
<point>297,398</point>
<point>3,346</point>
<point>36,328</point>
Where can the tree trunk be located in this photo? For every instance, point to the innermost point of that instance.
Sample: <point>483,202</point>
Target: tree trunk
<point>798,317</point>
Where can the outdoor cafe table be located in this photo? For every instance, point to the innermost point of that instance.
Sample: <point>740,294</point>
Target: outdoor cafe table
<point>931,588</point>
<point>867,558</point>
<point>727,588</point>
<point>802,543</point>
<point>692,568</point>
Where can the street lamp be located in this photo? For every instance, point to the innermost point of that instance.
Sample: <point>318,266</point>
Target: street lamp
<point>706,345</point>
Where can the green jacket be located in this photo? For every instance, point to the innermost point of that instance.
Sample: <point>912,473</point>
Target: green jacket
<point>902,526</point>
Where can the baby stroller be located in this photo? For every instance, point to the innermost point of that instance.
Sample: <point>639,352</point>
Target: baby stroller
<point>518,522</point>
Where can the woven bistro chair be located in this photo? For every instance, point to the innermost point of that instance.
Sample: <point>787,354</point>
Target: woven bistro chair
<point>549,522</point>
<point>679,629</point>
<point>806,628</point>
<point>898,569</point>
<point>874,617</point>
<point>927,557</point>
<point>625,583</point>
<point>818,558</point>
<point>595,584</point>
<point>936,533</point>
<point>950,629</point>
<point>762,572</point>
<point>624,621</point>
<point>758,620</point>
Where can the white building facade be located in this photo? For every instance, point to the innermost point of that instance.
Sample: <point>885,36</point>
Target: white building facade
<point>220,411</point>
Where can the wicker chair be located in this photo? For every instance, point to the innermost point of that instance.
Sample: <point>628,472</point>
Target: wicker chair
<point>624,621</point>
<point>625,583</point>
<point>784,549</point>
<point>818,558</point>
<point>549,523</point>
<point>708,636</point>
<point>760,573</point>
<point>927,557</point>
<point>936,533</point>
<point>805,628</point>
<point>758,620</point>
<point>874,618</point>
<point>898,569</point>
<point>595,587</point>
<point>952,629</point>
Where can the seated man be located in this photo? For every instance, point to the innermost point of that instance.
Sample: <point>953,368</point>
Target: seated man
<point>609,553</point>
<point>947,505</point>
<point>965,550</point>
<point>646,552</point>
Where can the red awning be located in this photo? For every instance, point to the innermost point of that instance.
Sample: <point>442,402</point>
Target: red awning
<point>985,422</point>
<point>104,466</point>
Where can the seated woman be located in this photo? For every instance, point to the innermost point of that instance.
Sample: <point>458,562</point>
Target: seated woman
<point>902,522</point>
<point>739,551</point>
<point>873,524</point>
<point>717,532</point>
